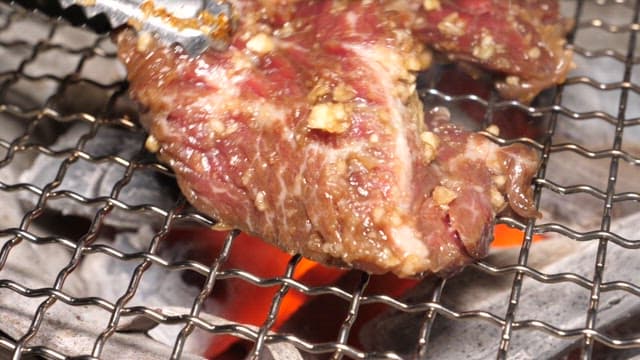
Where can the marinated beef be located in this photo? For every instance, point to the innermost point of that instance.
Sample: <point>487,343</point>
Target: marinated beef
<point>310,134</point>
<point>520,40</point>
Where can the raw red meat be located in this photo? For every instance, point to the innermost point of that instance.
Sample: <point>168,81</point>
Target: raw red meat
<point>521,39</point>
<point>310,134</point>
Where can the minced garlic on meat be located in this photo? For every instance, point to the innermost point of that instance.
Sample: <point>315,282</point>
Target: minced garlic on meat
<point>419,61</point>
<point>534,52</point>
<point>261,44</point>
<point>260,203</point>
<point>430,138</point>
<point>443,196</point>
<point>486,48</point>
<point>431,142</point>
<point>493,130</point>
<point>512,80</point>
<point>395,220</point>
<point>497,199</point>
<point>318,91</point>
<point>378,214</point>
<point>217,126</point>
<point>329,117</point>
<point>151,144</point>
<point>343,93</point>
<point>430,5</point>
<point>452,25</point>
<point>144,41</point>
<point>499,180</point>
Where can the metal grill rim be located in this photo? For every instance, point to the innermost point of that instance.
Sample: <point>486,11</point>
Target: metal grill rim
<point>356,297</point>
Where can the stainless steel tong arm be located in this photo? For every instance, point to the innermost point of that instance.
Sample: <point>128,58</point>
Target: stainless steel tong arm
<point>194,24</point>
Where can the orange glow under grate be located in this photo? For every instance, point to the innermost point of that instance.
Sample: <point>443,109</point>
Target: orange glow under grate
<point>505,236</point>
<point>240,301</point>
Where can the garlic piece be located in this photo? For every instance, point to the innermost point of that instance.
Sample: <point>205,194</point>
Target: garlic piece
<point>329,117</point>
<point>151,144</point>
<point>431,142</point>
<point>497,199</point>
<point>144,41</point>
<point>343,93</point>
<point>261,44</point>
<point>534,52</point>
<point>430,5</point>
<point>499,180</point>
<point>493,130</point>
<point>486,48</point>
<point>260,202</point>
<point>512,80</point>
<point>443,196</point>
<point>452,25</point>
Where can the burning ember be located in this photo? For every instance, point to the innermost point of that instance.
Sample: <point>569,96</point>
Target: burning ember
<point>244,302</point>
<point>240,301</point>
<point>506,236</point>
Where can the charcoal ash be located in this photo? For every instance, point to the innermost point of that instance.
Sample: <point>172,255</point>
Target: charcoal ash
<point>97,179</point>
<point>73,329</point>
<point>475,290</point>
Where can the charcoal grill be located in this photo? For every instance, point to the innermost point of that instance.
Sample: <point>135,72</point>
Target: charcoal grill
<point>105,105</point>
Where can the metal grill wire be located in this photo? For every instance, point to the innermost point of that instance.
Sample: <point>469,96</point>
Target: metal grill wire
<point>32,119</point>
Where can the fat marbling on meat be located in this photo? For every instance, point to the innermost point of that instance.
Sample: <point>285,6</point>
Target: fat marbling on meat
<point>310,134</point>
<point>522,41</point>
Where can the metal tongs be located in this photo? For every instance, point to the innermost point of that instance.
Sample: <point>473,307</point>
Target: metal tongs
<point>196,25</point>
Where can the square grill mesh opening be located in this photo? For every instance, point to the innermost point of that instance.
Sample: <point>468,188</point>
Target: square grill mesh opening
<point>62,92</point>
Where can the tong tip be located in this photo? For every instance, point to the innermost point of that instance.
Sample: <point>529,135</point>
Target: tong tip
<point>196,25</point>
<point>210,28</point>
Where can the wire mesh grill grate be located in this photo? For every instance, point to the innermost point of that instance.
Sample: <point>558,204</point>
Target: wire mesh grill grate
<point>52,107</point>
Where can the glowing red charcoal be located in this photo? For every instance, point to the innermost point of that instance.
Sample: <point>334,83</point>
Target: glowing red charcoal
<point>505,236</point>
<point>243,302</point>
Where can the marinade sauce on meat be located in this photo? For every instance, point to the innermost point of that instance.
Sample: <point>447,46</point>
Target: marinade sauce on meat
<point>309,133</point>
